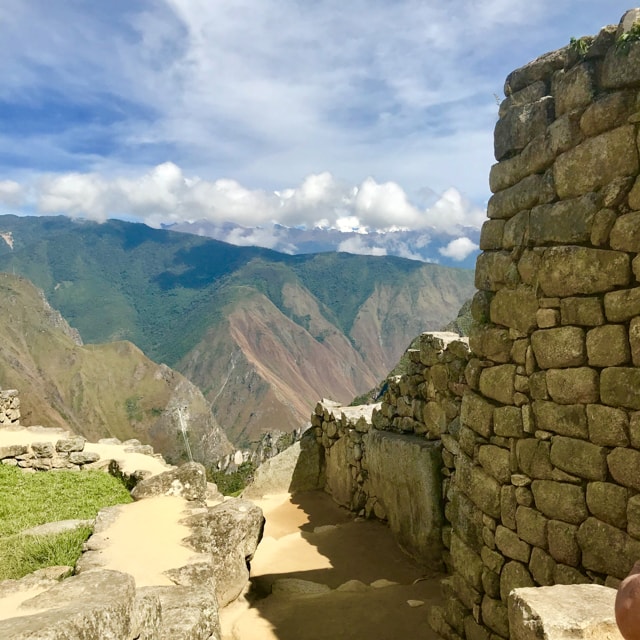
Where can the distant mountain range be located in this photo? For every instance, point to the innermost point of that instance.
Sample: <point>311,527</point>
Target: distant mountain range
<point>263,334</point>
<point>424,245</point>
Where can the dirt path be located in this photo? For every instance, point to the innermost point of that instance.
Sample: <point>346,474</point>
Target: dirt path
<point>309,538</point>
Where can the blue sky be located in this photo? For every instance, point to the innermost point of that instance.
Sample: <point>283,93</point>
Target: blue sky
<point>365,114</point>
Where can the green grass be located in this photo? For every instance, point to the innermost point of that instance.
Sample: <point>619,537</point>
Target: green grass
<point>31,499</point>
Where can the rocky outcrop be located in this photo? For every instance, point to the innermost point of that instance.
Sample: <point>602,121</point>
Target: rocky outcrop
<point>189,481</point>
<point>230,533</point>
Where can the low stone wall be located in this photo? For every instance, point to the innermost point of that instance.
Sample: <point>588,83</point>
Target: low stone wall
<point>65,453</point>
<point>9,408</point>
<point>388,461</point>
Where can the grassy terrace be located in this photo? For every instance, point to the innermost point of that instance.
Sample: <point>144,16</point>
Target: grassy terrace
<point>31,499</point>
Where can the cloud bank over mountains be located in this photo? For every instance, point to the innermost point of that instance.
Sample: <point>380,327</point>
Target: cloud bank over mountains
<point>165,196</point>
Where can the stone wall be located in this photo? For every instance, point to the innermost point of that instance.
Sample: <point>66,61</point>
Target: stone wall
<point>540,421</point>
<point>394,460</point>
<point>9,408</point>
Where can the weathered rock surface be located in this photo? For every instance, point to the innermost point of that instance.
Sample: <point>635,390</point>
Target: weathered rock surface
<point>230,532</point>
<point>189,481</point>
<point>562,612</point>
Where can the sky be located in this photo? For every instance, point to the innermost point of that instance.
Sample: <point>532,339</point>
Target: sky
<point>366,115</point>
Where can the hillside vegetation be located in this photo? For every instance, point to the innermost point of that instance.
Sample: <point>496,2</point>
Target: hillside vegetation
<point>263,334</point>
<point>98,390</point>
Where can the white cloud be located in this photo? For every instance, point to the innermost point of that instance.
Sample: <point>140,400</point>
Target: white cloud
<point>359,246</point>
<point>11,193</point>
<point>459,249</point>
<point>164,195</point>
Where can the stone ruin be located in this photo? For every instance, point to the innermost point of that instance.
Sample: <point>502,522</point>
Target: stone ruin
<point>537,424</point>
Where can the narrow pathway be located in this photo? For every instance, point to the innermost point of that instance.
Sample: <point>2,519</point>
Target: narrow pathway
<point>320,573</point>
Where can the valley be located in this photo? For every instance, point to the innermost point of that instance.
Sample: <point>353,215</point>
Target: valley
<point>263,335</point>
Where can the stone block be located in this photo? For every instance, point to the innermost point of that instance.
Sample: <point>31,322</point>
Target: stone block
<point>580,458</point>
<point>12,451</point>
<point>491,342</point>
<point>466,519</point>
<point>526,95</point>
<point>496,462</point>
<point>581,311</point>
<point>619,387</point>
<point>515,308</point>
<point>524,497</point>
<point>563,543</point>
<point>542,567</point>
<point>623,466</point>
<point>563,419</point>
<point>540,69</point>
<point>570,386</point>
<point>479,486</point>
<point>559,347</point>
<point>516,231</point>
<point>634,341</point>
<point>573,89</point>
<point>510,544</point>
<point>633,516</point>
<point>66,445</point>
<point>534,458</point>
<point>532,527</point>
<point>603,222</point>
<point>520,125</point>
<point>634,197</point>
<point>608,427</point>
<point>495,616</point>
<point>560,612</point>
<point>514,576</point>
<point>548,318</point>
<point>596,162</point>
<point>570,270</point>
<point>564,133</point>
<point>625,235</point>
<point>83,457</point>
<point>529,265</point>
<point>621,306</point>
<point>491,583</point>
<point>493,560</point>
<point>474,631</point>
<point>491,235</point>
<point>537,387</point>
<point>607,112</point>
<point>43,449</point>
<point>620,76</point>
<point>564,222</point>
<point>606,549</point>
<point>560,501</point>
<point>466,562</point>
<point>608,502</point>
<point>477,414</point>
<point>508,506</point>
<point>497,383</point>
<point>494,270</point>
<point>608,346</point>
<point>521,196</point>
<point>564,574</point>
<point>507,422</point>
<point>634,429</point>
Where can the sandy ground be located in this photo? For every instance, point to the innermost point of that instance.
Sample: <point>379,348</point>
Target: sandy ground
<point>145,540</point>
<point>308,537</point>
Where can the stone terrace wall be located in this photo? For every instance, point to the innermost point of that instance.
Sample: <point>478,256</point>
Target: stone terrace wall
<point>549,465</point>
<point>9,408</point>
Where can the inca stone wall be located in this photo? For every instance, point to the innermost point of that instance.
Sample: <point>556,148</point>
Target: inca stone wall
<point>549,460</point>
<point>540,422</point>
